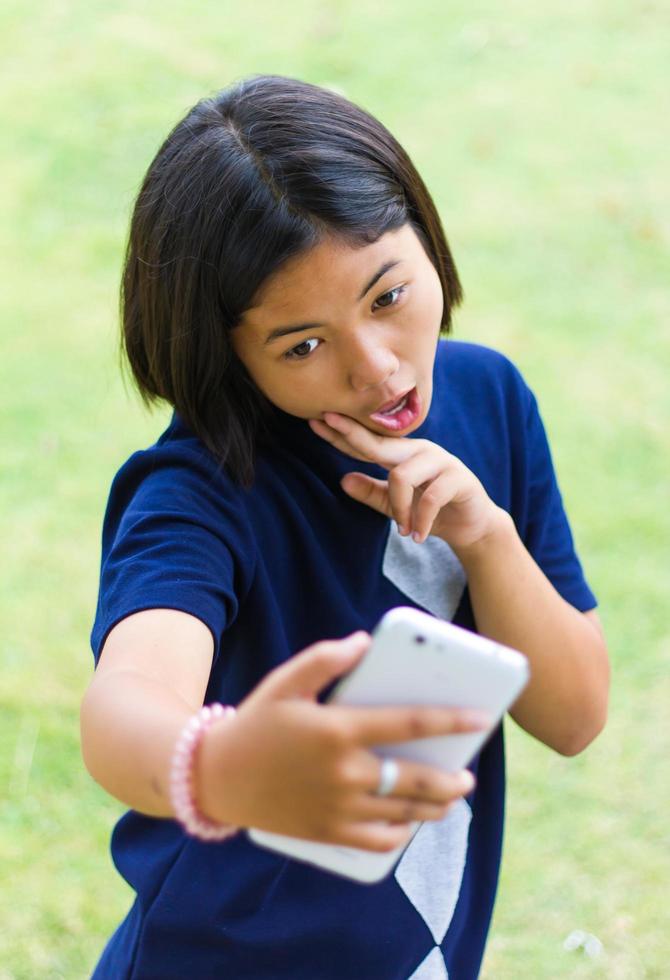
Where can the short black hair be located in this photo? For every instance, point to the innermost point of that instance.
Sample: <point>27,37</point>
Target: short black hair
<point>249,178</point>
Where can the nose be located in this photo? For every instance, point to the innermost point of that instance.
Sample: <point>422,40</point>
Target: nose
<point>371,364</point>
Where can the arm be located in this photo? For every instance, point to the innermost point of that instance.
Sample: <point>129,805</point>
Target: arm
<point>284,763</point>
<point>151,677</point>
<point>565,702</point>
<point>429,491</point>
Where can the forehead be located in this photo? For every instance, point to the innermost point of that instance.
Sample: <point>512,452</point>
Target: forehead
<point>333,265</point>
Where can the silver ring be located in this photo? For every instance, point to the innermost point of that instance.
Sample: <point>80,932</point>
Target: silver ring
<point>388,777</point>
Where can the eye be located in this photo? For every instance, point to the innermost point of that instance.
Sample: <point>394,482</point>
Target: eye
<point>398,291</point>
<point>298,353</point>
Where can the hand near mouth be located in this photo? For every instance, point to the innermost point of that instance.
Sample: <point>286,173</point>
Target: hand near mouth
<point>428,490</point>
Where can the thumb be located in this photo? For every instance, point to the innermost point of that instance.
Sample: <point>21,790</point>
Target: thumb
<point>306,673</point>
<point>366,490</point>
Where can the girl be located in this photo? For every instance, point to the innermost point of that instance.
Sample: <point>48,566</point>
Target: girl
<point>286,289</point>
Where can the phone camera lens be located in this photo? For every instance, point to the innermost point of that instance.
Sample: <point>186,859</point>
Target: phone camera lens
<point>419,639</point>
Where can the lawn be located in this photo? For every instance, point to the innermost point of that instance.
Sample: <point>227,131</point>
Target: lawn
<point>542,136</point>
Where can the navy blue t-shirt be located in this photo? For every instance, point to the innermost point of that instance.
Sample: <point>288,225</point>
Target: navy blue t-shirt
<point>270,571</point>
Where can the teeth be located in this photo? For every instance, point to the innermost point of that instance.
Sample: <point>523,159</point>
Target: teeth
<point>398,408</point>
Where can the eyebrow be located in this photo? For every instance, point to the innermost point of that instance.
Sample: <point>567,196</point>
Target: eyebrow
<point>298,328</point>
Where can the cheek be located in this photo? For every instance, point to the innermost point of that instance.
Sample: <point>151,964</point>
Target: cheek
<point>435,298</point>
<point>427,314</point>
<point>286,391</point>
<point>257,367</point>
<point>270,385</point>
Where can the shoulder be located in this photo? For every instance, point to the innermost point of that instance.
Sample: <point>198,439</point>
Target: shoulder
<point>177,475</point>
<point>178,460</point>
<point>480,381</point>
<point>482,412</point>
<point>460,359</point>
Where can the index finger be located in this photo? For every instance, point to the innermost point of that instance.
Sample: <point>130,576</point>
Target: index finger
<point>387,451</point>
<point>377,726</point>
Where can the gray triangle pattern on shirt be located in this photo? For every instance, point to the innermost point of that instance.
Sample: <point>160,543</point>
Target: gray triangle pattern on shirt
<point>429,573</point>
<point>432,968</point>
<point>431,869</point>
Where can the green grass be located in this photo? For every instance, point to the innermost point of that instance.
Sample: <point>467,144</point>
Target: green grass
<point>540,131</point>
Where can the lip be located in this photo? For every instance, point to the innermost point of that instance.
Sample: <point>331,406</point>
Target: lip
<point>392,401</point>
<point>406,417</point>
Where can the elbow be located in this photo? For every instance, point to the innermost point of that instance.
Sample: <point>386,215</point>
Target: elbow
<point>576,742</point>
<point>89,736</point>
<point>84,746</point>
<point>592,717</point>
<point>591,725</point>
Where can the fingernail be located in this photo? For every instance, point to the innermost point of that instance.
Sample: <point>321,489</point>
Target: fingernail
<point>350,644</point>
<point>477,719</point>
<point>467,782</point>
<point>416,537</point>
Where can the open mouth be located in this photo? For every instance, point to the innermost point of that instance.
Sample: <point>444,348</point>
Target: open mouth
<point>399,416</point>
<point>398,407</point>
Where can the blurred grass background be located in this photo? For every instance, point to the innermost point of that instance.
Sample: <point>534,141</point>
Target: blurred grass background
<point>541,134</point>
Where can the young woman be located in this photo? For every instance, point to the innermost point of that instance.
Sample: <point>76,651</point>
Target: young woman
<point>287,289</point>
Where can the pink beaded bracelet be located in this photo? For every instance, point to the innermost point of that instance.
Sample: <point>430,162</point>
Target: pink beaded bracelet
<point>182,791</point>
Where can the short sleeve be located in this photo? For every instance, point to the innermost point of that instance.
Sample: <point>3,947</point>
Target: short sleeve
<point>547,533</point>
<point>173,537</point>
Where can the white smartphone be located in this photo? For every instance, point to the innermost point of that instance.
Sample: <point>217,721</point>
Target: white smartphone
<point>415,658</point>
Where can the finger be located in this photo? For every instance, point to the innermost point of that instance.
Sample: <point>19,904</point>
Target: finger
<point>396,810</point>
<point>374,836</point>
<point>400,495</point>
<point>416,782</point>
<point>379,726</point>
<point>331,435</point>
<point>420,783</point>
<point>367,490</point>
<point>428,505</point>
<point>406,479</point>
<point>387,451</point>
<point>307,672</point>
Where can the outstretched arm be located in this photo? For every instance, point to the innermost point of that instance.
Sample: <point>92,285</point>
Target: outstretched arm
<point>284,763</point>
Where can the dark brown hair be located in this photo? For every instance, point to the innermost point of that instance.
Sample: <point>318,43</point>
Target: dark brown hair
<point>249,178</point>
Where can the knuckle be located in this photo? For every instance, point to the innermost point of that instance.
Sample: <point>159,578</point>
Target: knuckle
<point>442,790</point>
<point>335,733</point>
<point>430,495</point>
<point>334,749</point>
<point>435,789</point>
<point>417,724</point>
<point>345,772</point>
<point>421,786</point>
<point>396,477</point>
<point>329,750</point>
<point>429,492</point>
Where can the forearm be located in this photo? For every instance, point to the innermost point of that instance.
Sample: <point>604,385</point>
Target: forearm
<point>129,727</point>
<point>565,702</point>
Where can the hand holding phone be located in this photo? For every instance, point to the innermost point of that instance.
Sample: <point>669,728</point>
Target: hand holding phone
<point>416,659</point>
